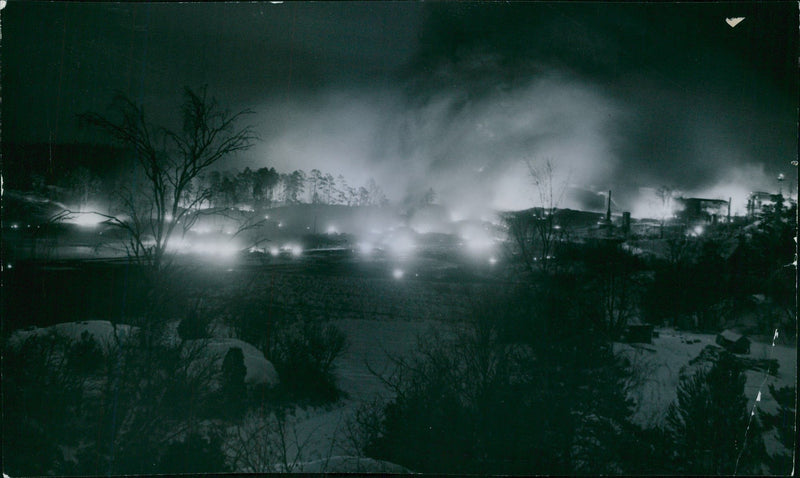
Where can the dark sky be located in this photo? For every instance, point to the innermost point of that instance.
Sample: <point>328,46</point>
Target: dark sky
<point>455,96</point>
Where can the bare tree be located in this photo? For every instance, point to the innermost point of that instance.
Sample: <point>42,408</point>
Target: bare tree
<point>665,194</point>
<point>535,234</point>
<point>170,161</point>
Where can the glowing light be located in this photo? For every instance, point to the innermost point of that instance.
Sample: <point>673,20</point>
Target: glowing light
<point>280,224</point>
<point>274,251</point>
<point>456,216</point>
<point>401,244</point>
<point>294,249</point>
<point>398,273</point>
<point>85,219</point>
<point>698,230</point>
<point>479,244</point>
<point>9,266</point>
<point>14,226</point>
<point>332,230</point>
<point>492,260</point>
<point>266,217</point>
<point>168,217</point>
<point>365,247</point>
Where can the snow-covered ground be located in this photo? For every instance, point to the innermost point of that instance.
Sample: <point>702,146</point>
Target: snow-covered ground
<point>322,431</point>
<point>660,365</point>
<point>320,439</point>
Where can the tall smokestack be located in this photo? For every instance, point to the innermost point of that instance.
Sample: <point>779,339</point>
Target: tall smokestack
<point>608,211</point>
<point>729,209</point>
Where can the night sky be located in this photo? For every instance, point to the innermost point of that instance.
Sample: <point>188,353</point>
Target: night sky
<point>454,96</point>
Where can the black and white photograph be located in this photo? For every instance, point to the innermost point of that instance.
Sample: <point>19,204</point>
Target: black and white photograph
<point>399,237</point>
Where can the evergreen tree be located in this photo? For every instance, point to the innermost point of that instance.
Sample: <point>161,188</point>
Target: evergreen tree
<point>710,422</point>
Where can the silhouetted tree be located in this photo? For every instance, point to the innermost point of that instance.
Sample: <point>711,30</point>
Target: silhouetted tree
<point>169,161</point>
<point>710,419</point>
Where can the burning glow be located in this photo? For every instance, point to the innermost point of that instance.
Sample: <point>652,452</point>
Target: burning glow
<point>293,249</point>
<point>401,244</point>
<point>274,251</point>
<point>84,219</point>
<point>698,230</point>
<point>332,230</point>
<point>398,273</point>
<point>365,247</point>
<point>203,248</point>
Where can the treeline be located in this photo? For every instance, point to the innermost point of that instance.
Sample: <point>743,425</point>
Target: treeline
<point>265,187</point>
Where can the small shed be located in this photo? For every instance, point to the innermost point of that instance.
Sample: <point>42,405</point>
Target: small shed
<point>734,342</point>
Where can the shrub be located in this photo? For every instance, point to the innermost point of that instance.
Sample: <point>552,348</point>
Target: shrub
<point>233,388</point>
<point>195,454</point>
<point>193,325</point>
<point>475,403</point>
<point>42,397</point>
<point>304,354</point>
<point>85,356</point>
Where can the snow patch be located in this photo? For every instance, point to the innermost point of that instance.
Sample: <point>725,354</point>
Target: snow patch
<point>102,331</point>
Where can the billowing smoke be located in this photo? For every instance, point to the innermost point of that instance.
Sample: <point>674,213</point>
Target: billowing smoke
<point>473,150</point>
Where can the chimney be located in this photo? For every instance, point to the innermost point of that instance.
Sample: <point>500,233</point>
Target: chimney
<point>608,211</point>
<point>729,210</point>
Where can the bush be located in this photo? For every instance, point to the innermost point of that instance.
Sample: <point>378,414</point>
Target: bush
<point>42,405</point>
<point>709,420</point>
<point>195,454</point>
<point>478,404</point>
<point>303,355</point>
<point>193,325</point>
<point>233,389</point>
<point>85,356</point>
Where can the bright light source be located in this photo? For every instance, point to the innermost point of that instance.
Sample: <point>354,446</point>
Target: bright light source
<point>698,230</point>
<point>9,266</point>
<point>266,217</point>
<point>332,230</point>
<point>274,251</point>
<point>479,244</point>
<point>14,226</point>
<point>280,224</point>
<point>398,273</point>
<point>492,260</point>
<point>365,247</point>
<point>294,249</point>
<point>168,217</point>
<point>85,219</point>
<point>401,244</point>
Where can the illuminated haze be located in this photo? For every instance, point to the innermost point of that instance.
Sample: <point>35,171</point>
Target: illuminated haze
<point>451,96</point>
